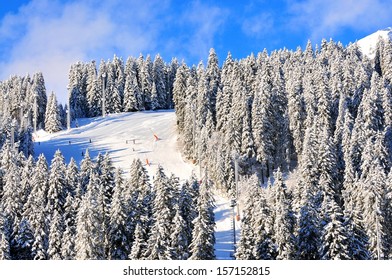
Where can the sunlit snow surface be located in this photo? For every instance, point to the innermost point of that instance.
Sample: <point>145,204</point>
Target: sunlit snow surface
<point>124,136</point>
<point>368,44</point>
<point>127,136</point>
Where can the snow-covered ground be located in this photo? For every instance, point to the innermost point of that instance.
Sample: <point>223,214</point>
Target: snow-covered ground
<point>224,216</point>
<point>124,136</point>
<point>127,136</point>
<point>368,44</point>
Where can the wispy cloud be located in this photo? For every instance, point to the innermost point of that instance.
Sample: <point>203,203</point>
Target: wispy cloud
<point>206,21</point>
<point>322,18</point>
<point>49,36</point>
<point>258,25</point>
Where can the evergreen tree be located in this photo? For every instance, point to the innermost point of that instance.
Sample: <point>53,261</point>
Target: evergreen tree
<point>187,203</point>
<point>159,247</point>
<point>264,246</point>
<point>5,237</point>
<point>90,235</point>
<point>133,99</point>
<point>86,167</point>
<point>179,238</point>
<point>38,93</point>
<point>23,241</point>
<point>246,244</point>
<point>56,230</point>
<point>334,236</point>
<point>35,209</point>
<point>203,239</point>
<point>308,236</point>
<point>57,185</point>
<point>139,245</point>
<point>119,245</point>
<point>284,220</point>
<point>68,237</point>
<point>179,90</point>
<point>52,115</point>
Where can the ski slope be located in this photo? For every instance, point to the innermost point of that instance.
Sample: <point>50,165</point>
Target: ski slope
<point>127,136</point>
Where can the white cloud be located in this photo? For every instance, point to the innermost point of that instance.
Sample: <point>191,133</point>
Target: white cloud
<point>327,18</point>
<point>206,21</point>
<point>258,25</point>
<point>49,36</point>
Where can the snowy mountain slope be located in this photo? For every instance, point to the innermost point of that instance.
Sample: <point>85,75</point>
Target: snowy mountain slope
<point>124,136</point>
<point>127,136</point>
<point>368,44</point>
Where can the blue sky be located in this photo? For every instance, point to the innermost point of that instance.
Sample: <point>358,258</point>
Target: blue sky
<point>50,35</point>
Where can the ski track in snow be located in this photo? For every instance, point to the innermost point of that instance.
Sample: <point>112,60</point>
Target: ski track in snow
<point>224,246</point>
<point>127,136</point>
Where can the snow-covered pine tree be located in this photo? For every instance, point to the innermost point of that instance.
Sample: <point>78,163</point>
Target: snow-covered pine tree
<point>246,244</point>
<point>86,167</point>
<point>119,81</point>
<point>224,95</point>
<point>213,77</point>
<point>145,79</point>
<point>139,198</point>
<point>93,87</point>
<point>77,88</point>
<point>68,238</point>
<point>308,236</point>
<point>262,224</point>
<point>154,98</point>
<point>5,237</point>
<point>35,208</point>
<point>56,230</point>
<point>203,238</point>
<point>159,84</point>
<point>171,71</point>
<point>72,178</point>
<point>179,238</point>
<point>296,103</point>
<point>159,242</point>
<point>90,235</point>
<point>262,120</point>
<point>373,181</point>
<point>10,203</point>
<point>38,92</point>
<point>189,133</point>
<point>139,245</point>
<point>23,241</point>
<point>284,219</point>
<point>52,115</point>
<point>179,90</point>
<point>133,99</point>
<point>334,240</point>
<point>187,203</point>
<point>119,245</point>
<point>57,185</point>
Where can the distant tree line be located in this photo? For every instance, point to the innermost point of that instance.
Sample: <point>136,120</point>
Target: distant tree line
<point>140,84</point>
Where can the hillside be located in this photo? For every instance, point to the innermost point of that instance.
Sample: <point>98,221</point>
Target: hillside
<point>368,44</point>
<point>124,136</point>
<point>128,136</point>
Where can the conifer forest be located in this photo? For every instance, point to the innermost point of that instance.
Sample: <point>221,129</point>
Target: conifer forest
<point>322,115</point>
